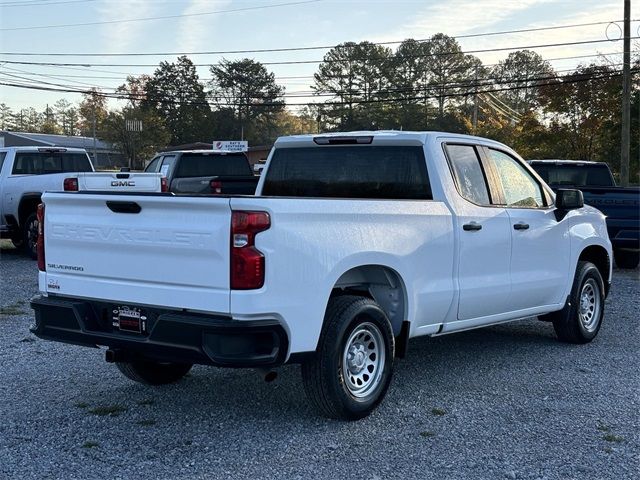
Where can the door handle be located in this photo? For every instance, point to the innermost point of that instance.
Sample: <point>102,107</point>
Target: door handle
<point>521,226</point>
<point>471,227</point>
<point>124,207</point>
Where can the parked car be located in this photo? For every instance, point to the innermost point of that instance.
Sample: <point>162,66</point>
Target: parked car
<point>205,171</point>
<point>621,205</point>
<point>25,173</point>
<point>353,244</point>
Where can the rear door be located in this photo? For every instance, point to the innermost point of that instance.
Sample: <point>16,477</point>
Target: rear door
<point>485,238</point>
<point>152,250</point>
<point>540,248</point>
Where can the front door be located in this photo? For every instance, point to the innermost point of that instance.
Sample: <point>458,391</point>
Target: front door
<point>540,249</point>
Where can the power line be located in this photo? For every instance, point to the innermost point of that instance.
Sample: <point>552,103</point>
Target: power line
<point>294,77</point>
<point>298,62</point>
<point>165,17</point>
<point>581,78</point>
<point>292,49</point>
<point>40,3</point>
<point>485,81</point>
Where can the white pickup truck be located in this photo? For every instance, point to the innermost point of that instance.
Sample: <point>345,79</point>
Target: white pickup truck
<point>27,172</point>
<point>353,244</point>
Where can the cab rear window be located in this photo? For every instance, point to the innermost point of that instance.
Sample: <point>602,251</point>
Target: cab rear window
<point>37,163</point>
<point>363,171</point>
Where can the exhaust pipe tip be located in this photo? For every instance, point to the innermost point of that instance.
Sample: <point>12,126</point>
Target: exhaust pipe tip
<point>113,356</point>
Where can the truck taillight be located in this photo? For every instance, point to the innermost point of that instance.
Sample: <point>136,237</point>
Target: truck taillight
<point>247,262</point>
<point>70,184</point>
<point>40,242</point>
<point>216,186</point>
<point>164,185</point>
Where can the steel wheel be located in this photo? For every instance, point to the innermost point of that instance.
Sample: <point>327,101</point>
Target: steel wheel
<point>589,309</point>
<point>362,360</point>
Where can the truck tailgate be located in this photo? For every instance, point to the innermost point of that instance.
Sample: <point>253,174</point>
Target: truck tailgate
<point>120,182</point>
<point>157,250</point>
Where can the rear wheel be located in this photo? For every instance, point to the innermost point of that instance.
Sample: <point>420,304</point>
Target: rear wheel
<point>580,320</point>
<point>30,236</point>
<point>626,258</point>
<point>351,371</point>
<point>150,372</point>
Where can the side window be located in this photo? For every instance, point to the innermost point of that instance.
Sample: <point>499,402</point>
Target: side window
<point>519,187</point>
<point>468,173</point>
<point>153,165</point>
<point>2,155</point>
<point>167,165</point>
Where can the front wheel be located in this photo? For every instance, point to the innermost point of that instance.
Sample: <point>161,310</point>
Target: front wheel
<point>580,320</point>
<point>150,372</point>
<point>626,258</point>
<point>352,368</point>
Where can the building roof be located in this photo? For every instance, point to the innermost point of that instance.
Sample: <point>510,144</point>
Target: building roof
<point>60,140</point>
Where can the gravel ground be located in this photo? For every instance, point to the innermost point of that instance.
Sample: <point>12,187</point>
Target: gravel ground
<point>503,402</point>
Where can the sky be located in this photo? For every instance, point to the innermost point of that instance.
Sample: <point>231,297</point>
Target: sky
<point>224,25</point>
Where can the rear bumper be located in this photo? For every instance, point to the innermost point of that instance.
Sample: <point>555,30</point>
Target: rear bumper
<point>171,336</point>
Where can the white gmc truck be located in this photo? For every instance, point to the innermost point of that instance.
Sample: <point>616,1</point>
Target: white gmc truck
<point>27,172</point>
<point>353,244</point>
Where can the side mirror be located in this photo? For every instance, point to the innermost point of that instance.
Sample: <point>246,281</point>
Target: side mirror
<point>569,199</point>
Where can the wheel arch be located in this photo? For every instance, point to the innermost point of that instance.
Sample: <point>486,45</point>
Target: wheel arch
<point>28,204</point>
<point>382,284</point>
<point>599,256</point>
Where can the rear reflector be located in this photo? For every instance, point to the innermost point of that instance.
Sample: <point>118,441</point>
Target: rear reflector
<point>70,184</point>
<point>247,262</point>
<point>40,242</point>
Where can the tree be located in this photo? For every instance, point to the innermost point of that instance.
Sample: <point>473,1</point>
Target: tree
<point>585,104</point>
<point>451,71</point>
<point>27,120</point>
<point>66,116</point>
<point>249,91</point>
<point>49,123</point>
<point>524,71</point>
<point>136,146</point>
<point>357,77</point>
<point>6,117</point>
<point>92,108</point>
<point>175,94</point>
<point>135,89</point>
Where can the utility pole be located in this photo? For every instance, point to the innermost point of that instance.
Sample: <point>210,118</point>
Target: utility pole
<point>626,97</point>
<point>95,158</point>
<point>475,104</point>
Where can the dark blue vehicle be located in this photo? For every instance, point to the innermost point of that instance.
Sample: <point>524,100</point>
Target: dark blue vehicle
<point>621,205</point>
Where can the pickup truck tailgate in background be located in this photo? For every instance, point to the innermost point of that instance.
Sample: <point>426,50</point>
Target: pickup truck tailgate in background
<point>120,182</point>
<point>144,249</point>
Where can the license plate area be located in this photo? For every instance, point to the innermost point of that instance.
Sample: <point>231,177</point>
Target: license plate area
<point>129,319</point>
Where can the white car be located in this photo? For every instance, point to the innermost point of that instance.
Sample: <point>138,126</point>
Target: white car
<point>354,244</point>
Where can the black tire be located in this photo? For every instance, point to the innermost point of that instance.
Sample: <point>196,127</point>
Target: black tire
<point>149,372</point>
<point>571,323</point>
<point>331,384</point>
<point>30,236</point>
<point>626,258</point>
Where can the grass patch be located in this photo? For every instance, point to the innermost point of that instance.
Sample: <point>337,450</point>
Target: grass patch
<point>81,404</point>
<point>111,410</point>
<point>147,401</point>
<point>427,434</point>
<point>438,411</point>
<point>147,423</point>
<point>90,445</point>
<point>10,310</point>
<point>611,437</point>
<point>604,428</point>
